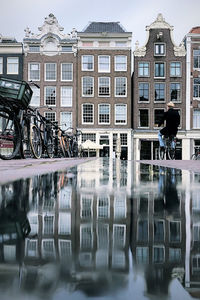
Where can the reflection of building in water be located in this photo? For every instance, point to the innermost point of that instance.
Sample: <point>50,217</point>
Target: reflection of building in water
<point>158,229</point>
<point>192,278</point>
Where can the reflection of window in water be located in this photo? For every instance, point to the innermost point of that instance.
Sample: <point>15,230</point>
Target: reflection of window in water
<point>103,208</point>
<point>119,235</point>
<point>102,258</point>
<point>196,200</point>
<point>196,232</point>
<point>143,203</point>
<point>158,254</point>
<point>65,248</point>
<point>159,230</point>
<point>142,255</point>
<point>48,248</point>
<point>174,254</point>
<point>196,264</point>
<point>142,231</point>
<point>64,223</point>
<point>65,197</point>
<point>31,248</point>
<point>85,259</point>
<point>9,252</point>
<point>118,259</point>
<point>175,231</point>
<point>86,237</point>
<point>86,206</point>
<point>103,236</point>
<point>33,220</point>
<point>120,206</point>
<point>48,224</point>
<point>49,203</point>
<point>87,183</point>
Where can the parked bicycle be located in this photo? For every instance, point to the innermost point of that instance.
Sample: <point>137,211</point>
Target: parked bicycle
<point>169,151</point>
<point>73,136</point>
<point>196,155</point>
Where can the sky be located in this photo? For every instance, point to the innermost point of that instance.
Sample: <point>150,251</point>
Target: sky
<point>134,15</point>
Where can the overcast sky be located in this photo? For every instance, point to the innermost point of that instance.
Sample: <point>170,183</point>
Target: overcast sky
<point>134,15</point>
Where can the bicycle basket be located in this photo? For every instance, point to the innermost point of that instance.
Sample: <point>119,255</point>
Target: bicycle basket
<point>16,91</point>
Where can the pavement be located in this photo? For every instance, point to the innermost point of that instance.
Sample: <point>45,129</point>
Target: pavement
<point>11,170</point>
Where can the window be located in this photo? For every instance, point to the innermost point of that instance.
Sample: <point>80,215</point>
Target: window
<point>34,48</point>
<point>50,71</point>
<point>66,71</point>
<point>88,136</point>
<point>143,118</point>
<point>175,92</point>
<point>64,223</point>
<point>120,63</point>
<point>120,114</point>
<point>119,235</point>
<point>104,86</point>
<point>66,120</point>
<point>158,231</point>
<point>48,225</point>
<point>196,118</point>
<point>104,63</point>
<point>123,138</point>
<point>87,63</point>
<point>66,96</point>
<point>66,48</point>
<point>175,69</point>
<point>158,254</point>
<point>120,44</point>
<point>51,116</point>
<point>142,231</point>
<point>12,65</point>
<point>120,206</point>
<point>159,70</point>
<point>159,49</point>
<point>120,86</point>
<point>1,65</point>
<point>196,88</point>
<point>175,231</point>
<point>34,71</point>
<point>86,206</point>
<point>142,255</point>
<point>158,113</point>
<point>159,92</point>
<point>87,86</point>
<point>174,254</point>
<point>143,92</point>
<point>35,99</point>
<point>104,113</point>
<point>86,237</point>
<point>103,207</point>
<point>196,55</point>
<point>50,95</point>
<point>143,69</point>
<point>87,113</point>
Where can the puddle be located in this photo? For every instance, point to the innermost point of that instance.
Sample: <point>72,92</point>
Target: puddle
<point>105,229</point>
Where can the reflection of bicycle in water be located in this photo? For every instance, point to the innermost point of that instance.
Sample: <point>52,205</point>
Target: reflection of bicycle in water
<point>169,150</point>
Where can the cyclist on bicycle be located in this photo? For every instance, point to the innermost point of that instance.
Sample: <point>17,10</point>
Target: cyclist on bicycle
<point>172,118</point>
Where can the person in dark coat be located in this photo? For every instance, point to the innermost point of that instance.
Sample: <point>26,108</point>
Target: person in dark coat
<point>172,118</point>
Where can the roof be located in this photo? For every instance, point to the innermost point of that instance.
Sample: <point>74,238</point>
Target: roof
<point>98,27</point>
<point>195,29</point>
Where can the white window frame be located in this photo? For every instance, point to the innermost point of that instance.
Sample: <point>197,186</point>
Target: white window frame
<point>197,119</point>
<point>29,71</point>
<point>120,70</point>
<point>103,123</point>
<point>180,69</point>
<point>160,54</point>
<point>121,104</point>
<point>35,96</point>
<point>45,66</point>
<point>45,100</point>
<point>50,112</point>
<point>92,95</point>
<point>92,114</point>
<point>143,90</point>
<point>99,95</point>
<point>85,69</point>
<point>63,126</point>
<point>69,99</point>
<point>159,62</point>
<point>15,63</point>
<point>120,96</point>
<point>116,236</point>
<point>158,101</point>
<point>1,65</point>
<point>103,70</point>
<point>143,62</point>
<point>61,75</point>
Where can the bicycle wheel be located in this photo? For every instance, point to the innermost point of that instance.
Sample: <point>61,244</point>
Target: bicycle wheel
<point>193,157</point>
<point>26,151</point>
<point>50,146</point>
<point>35,141</point>
<point>10,135</point>
<point>161,153</point>
<point>171,153</point>
<point>198,157</point>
